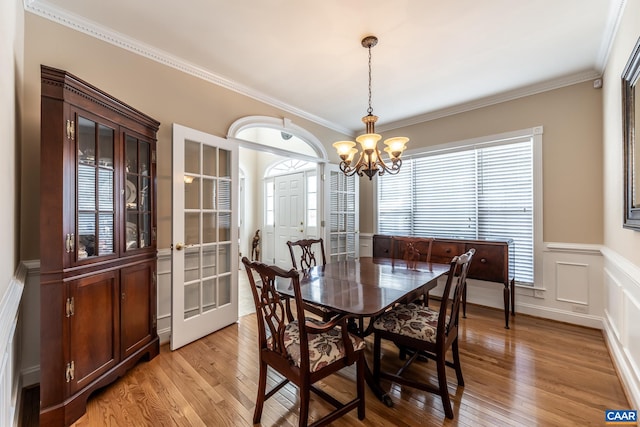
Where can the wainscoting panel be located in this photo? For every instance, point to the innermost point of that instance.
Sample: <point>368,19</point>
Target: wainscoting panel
<point>621,320</point>
<point>10,384</point>
<point>573,282</point>
<point>164,295</point>
<point>632,332</point>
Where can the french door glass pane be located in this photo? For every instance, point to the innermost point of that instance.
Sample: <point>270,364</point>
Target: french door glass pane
<point>192,228</point>
<point>224,289</point>
<point>208,294</point>
<point>192,157</point>
<point>209,234</point>
<point>224,229</point>
<point>191,264</point>
<point>224,258</point>
<point>209,161</point>
<point>225,164</point>
<point>224,198</point>
<point>191,300</point>
<point>209,260</point>
<point>192,194</point>
<point>208,193</point>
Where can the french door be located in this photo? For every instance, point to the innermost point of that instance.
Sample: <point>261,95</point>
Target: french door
<point>342,200</point>
<point>204,257</point>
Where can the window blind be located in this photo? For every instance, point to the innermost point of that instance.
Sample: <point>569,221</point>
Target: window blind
<point>477,192</point>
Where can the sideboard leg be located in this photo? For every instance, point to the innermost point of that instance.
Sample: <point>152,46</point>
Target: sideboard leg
<point>505,293</point>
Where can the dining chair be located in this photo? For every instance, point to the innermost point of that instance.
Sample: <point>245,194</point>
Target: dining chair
<point>411,251</point>
<point>304,350</point>
<point>426,332</point>
<point>309,250</point>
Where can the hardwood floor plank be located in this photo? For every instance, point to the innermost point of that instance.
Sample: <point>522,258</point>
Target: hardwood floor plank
<point>539,372</point>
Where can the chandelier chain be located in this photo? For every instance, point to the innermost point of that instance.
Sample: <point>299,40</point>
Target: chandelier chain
<point>370,109</point>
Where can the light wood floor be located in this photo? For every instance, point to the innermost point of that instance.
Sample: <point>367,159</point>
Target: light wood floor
<point>537,373</point>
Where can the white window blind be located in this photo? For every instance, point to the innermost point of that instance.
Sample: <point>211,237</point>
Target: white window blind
<point>477,192</point>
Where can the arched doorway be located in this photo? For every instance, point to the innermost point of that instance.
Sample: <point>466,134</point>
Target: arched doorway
<point>271,147</point>
<point>275,151</point>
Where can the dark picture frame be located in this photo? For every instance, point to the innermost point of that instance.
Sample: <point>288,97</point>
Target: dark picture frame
<point>630,119</point>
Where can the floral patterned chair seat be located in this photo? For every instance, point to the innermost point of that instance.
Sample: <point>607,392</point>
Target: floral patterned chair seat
<point>324,348</point>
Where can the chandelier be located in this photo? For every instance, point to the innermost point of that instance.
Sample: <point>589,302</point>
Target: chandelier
<point>370,161</point>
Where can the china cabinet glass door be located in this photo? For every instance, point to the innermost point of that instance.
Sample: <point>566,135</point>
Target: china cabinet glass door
<point>95,190</point>
<point>137,193</point>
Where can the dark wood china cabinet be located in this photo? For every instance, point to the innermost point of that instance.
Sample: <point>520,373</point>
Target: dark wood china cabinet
<point>97,242</point>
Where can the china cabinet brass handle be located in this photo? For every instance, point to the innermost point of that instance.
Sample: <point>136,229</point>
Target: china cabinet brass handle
<point>69,242</point>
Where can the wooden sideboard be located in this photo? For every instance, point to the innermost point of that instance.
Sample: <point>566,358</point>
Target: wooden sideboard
<point>493,262</point>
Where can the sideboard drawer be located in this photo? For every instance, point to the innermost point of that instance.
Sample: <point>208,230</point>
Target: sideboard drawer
<point>443,252</point>
<point>488,262</point>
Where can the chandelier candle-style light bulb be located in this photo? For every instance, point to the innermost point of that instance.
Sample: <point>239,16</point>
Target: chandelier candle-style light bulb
<point>370,161</point>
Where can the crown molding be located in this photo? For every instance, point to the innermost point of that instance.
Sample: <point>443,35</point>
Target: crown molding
<point>616,11</point>
<point>75,22</point>
<point>494,99</point>
<point>115,38</point>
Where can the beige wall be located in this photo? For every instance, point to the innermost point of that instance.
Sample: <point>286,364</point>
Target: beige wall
<point>624,242</point>
<point>11,63</point>
<point>572,154</point>
<point>571,116</point>
<point>162,92</point>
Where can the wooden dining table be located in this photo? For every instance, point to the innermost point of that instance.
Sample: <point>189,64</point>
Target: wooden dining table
<point>362,289</point>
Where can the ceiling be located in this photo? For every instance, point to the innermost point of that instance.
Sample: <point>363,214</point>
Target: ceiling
<point>433,58</point>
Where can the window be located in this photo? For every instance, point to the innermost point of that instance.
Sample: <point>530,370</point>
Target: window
<point>269,202</point>
<point>481,190</point>
<point>312,201</point>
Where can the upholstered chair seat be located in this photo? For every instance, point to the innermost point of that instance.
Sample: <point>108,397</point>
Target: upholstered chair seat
<point>324,348</point>
<point>411,320</point>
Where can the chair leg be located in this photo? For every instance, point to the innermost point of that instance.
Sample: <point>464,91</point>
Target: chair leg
<point>262,388</point>
<point>360,385</point>
<point>442,386</point>
<point>304,405</point>
<point>376,357</point>
<point>456,362</point>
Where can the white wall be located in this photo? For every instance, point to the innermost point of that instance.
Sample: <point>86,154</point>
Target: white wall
<point>621,271</point>
<point>11,280</point>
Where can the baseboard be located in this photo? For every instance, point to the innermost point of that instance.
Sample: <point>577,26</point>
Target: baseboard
<point>164,335</point>
<point>559,315</point>
<point>30,376</point>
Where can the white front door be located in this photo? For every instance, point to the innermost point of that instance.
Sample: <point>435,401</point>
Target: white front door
<point>204,287</point>
<point>341,207</point>
<point>289,215</point>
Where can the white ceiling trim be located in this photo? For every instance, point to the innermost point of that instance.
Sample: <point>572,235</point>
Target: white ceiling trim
<point>616,9</point>
<point>108,35</point>
<point>105,34</point>
<point>496,99</point>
